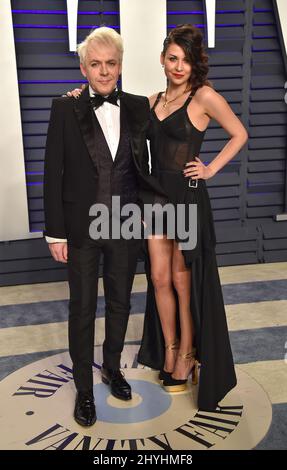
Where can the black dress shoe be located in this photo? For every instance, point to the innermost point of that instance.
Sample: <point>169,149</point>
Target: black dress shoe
<point>85,410</point>
<point>119,386</point>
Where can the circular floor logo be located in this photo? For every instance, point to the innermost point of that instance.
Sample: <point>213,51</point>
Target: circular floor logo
<point>38,402</point>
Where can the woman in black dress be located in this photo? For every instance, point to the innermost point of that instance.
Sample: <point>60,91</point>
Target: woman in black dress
<point>185,320</point>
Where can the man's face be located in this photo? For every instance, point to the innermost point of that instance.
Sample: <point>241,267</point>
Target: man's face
<point>102,67</point>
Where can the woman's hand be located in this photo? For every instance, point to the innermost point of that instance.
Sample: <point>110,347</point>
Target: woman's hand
<point>198,170</point>
<point>76,93</point>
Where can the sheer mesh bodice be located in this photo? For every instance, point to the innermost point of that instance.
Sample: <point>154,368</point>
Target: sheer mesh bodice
<point>174,140</point>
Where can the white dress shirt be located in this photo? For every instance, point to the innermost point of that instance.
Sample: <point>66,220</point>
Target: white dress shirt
<point>108,116</point>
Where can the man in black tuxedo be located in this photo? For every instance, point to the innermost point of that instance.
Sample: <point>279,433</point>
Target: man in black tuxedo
<point>95,149</point>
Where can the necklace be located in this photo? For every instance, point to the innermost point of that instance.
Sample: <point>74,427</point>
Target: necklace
<point>166,101</point>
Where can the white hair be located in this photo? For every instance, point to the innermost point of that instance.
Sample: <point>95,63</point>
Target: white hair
<point>103,35</point>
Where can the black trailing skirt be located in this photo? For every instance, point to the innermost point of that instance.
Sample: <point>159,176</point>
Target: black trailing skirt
<point>217,374</point>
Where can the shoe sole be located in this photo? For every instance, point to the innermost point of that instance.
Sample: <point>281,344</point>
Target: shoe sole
<point>175,388</point>
<point>84,425</point>
<point>106,382</point>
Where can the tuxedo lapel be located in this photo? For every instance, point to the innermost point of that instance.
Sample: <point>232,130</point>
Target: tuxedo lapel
<point>84,114</point>
<point>136,120</point>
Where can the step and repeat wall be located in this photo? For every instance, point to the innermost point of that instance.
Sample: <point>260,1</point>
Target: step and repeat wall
<point>245,44</point>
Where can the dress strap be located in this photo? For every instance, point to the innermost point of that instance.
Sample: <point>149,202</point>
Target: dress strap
<point>188,100</point>
<point>157,99</point>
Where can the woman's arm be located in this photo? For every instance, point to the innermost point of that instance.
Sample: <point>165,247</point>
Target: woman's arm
<point>216,107</point>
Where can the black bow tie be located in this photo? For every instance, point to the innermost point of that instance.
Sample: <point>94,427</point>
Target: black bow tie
<point>98,100</point>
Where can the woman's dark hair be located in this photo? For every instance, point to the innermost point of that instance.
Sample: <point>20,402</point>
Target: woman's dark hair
<point>190,39</point>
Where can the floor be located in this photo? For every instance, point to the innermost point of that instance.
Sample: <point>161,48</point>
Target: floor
<point>33,337</point>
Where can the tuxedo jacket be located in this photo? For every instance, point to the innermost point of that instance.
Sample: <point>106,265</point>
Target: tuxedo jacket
<point>70,177</point>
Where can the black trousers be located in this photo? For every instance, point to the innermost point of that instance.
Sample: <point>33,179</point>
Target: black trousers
<point>120,260</point>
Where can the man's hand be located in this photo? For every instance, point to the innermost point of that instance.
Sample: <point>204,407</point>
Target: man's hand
<point>59,251</point>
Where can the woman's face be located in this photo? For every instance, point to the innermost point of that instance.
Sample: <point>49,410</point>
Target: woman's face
<point>176,65</point>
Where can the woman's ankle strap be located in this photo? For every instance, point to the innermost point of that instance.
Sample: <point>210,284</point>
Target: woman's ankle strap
<point>187,356</point>
<point>172,346</point>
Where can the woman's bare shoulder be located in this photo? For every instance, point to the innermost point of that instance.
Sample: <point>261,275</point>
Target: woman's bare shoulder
<point>209,99</point>
<point>205,93</point>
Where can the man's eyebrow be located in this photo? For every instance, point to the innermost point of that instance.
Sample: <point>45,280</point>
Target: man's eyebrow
<point>98,60</point>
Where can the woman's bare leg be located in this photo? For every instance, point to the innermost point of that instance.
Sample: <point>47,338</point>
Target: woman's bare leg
<point>161,254</point>
<point>181,278</point>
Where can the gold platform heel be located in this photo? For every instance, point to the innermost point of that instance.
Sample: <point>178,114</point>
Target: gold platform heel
<point>163,374</point>
<point>194,373</point>
<point>194,370</point>
<point>172,385</point>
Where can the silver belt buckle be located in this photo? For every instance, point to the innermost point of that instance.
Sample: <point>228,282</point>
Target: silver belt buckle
<point>193,183</point>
